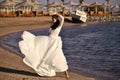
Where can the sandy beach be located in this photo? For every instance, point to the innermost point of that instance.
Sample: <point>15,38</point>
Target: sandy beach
<point>12,66</point>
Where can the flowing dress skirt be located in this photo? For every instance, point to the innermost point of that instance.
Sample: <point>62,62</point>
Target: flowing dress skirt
<point>43,53</point>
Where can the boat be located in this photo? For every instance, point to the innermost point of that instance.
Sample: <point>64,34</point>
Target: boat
<point>79,16</point>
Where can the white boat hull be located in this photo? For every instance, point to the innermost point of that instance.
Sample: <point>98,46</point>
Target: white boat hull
<point>79,16</point>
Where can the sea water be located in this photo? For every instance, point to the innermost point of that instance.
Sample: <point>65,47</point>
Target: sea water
<point>93,49</point>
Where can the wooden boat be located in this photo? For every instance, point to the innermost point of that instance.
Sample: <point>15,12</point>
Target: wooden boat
<point>79,16</point>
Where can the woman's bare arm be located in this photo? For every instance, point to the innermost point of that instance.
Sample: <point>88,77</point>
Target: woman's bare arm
<point>61,18</point>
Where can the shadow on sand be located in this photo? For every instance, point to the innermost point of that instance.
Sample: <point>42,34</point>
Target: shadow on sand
<point>73,21</point>
<point>68,20</point>
<point>8,70</point>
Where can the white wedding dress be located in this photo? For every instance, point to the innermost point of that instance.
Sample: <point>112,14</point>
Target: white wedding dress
<point>44,53</point>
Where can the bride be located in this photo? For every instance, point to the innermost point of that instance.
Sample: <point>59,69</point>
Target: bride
<point>44,53</point>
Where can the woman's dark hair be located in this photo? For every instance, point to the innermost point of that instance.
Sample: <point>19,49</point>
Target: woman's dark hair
<point>56,24</point>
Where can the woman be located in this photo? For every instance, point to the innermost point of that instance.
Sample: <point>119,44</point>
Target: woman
<point>44,53</point>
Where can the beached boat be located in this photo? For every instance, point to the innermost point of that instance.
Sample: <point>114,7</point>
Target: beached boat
<point>79,16</point>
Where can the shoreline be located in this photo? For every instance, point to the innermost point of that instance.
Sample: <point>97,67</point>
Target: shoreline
<point>15,60</point>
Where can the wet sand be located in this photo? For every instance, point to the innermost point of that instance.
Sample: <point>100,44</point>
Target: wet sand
<point>12,66</point>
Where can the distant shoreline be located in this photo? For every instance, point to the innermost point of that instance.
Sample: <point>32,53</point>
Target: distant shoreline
<point>90,19</point>
<point>103,19</point>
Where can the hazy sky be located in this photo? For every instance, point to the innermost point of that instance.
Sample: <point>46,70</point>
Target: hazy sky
<point>88,1</point>
<point>113,2</point>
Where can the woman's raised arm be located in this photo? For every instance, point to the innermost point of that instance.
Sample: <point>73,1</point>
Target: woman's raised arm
<point>61,18</point>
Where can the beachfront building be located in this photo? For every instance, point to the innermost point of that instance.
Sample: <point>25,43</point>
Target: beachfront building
<point>7,8</point>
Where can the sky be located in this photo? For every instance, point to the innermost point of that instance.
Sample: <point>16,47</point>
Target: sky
<point>113,2</point>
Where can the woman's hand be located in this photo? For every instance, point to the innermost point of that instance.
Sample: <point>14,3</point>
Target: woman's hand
<point>57,14</point>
